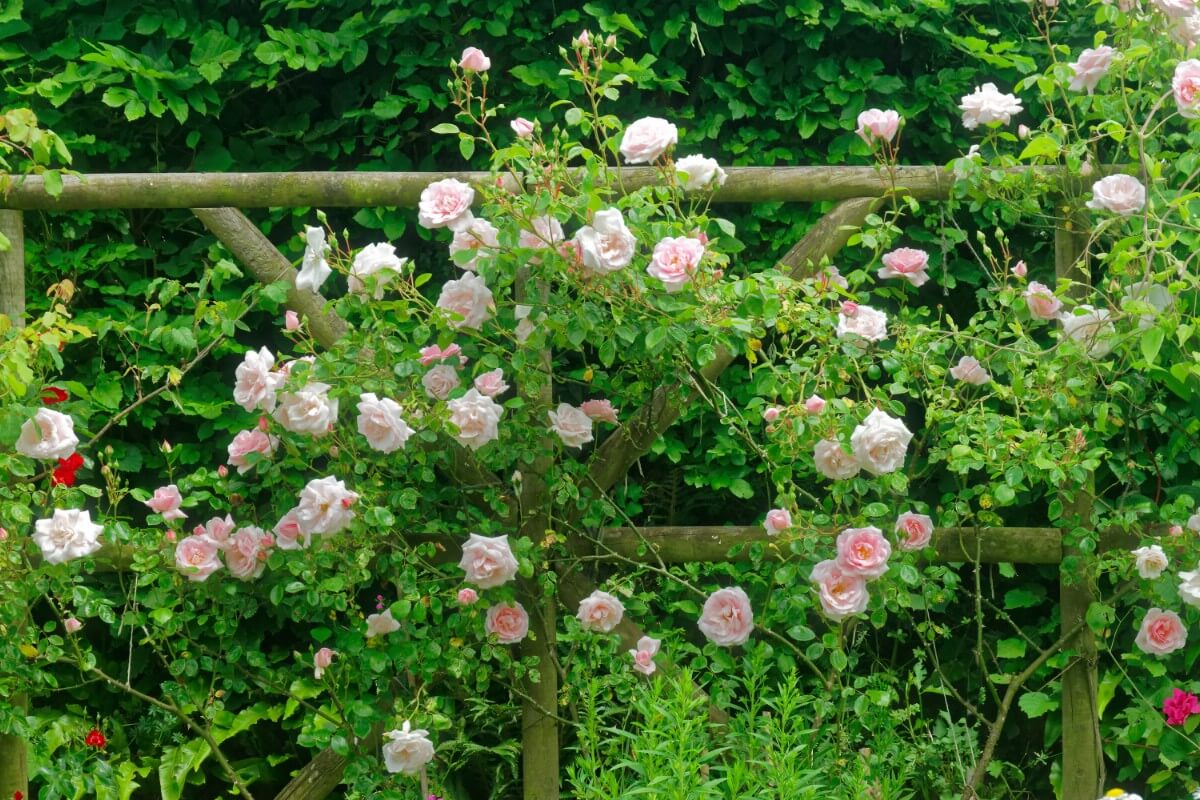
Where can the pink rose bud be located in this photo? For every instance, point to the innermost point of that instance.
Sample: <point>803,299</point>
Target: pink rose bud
<point>584,39</point>
<point>771,414</point>
<point>467,597</point>
<point>291,321</point>
<point>170,536</point>
<point>333,451</point>
<point>166,446</point>
<point>222,471</point>
<point>849,308</point>
<point>3,534</point>
<point>72,625</point>
<point>321,661</point>
<point>1019,269</point>
<point>1023,131</point>
<point>473,60</point>
<point>263,423</point>
<point>1085,169</point>
<point>522,127</point>
<point>1176,530</point>
<point>611,41</point>
<point>702,237</point>
<point>814,404</point>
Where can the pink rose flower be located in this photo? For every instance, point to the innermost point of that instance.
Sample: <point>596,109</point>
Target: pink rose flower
<point>246,552</point>
<point>196,557</point>
<point>479,237</point>
<point>1179,706</point>
<point>1150,561</point>
<point>380,423</point>
<point>1019,269</point>
<point>467,597</point>
<point>647,139</point>
<point>309,410</point>
<point>434,353</point>
<point>491,383</point>
<point>291,321</point>
<point>522,127</point>
<point>546,232</point>
<point>468,300</point>
<point>875,124</point>
<point>1176,530</point>
<point>584,39</point>
<point>571,424</point>
<point>1041,301</point>
<point>1176,9</point>
<point>440,381</point>
<point>607,245</point>
<point>907,263</point>
<point>446,204</point>
<point>880,443</point>
<point>473,60</point>
<point>1091,67</point>
<point>476,417</point>
<point>863,552</point>
<point>863,321</point>
<point>814,404</point>
<point>247,442</point>
<point>326,506</point>
<point>841,593</point>
<point>1186,86</point>
<point>381,624</point>
<point>321,661</point>
<point>915,530</point>
<point>222,471</point>
<point>778,520</point>
<point>166,501</point>
<point>1162,633</point>
<point>219,529</point>
<point>699,173</point>
<point>256,381</point>
<point>988,106</point>
<point>675,261</point>
<point>600,411</point>
<point>600,612</point>
<point>727,619</point>
<point>969,370</point>
<point>288,535</point>
<point>832,461</point>
<point>72,625</point>
<point>488,561</point>
<point>508,623</point>
<point>770,414</point>
<point>1123,195</point>
<point>643,655</point>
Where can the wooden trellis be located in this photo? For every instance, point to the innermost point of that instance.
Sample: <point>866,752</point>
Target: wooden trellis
<point>215,199</point>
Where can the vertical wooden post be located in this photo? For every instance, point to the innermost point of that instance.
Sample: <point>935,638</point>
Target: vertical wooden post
<point>1083,756</point>
<point>14,759</point>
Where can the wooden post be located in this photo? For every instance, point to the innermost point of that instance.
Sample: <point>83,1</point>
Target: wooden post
<point>14,758</point>
<point>1083,756</point>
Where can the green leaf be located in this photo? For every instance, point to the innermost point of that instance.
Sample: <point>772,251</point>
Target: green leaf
<point>445,127</point>
<point>1036,704</point>
<point>1152,339</point>
<point>1040,147</point>
<point>52,182</point>
<point>1010,648</point>
<point>466,146</point>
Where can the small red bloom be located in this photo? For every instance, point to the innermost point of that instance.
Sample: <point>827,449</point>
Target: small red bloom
<point>95,739</point>
<point>52,395</point>
<point>64,473</point>
<point>18,795</point>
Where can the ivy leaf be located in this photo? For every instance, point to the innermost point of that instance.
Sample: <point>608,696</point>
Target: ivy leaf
<point>1036,704</point>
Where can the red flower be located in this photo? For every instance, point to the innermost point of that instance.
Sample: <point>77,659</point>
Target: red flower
<point>17,795</point>
<point>1179,706</point>
<point>52,395</point>
<point>95,739</point>
<point>64,473</point>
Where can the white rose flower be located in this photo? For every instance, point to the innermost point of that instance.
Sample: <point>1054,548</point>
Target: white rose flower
<point>1123,195</point>
<point>371,260</point>
<point>479,236</point>
<point>314,269</point>
<point>50,435</point>
<point>309,410</point>
<point>488,561</point>
<point>407,750</point>
<point>1092,329</point>
<point>468,298</point>
<point>969,370</point>
<point>647,139</point>
<point>833,462</point>
<point>1152,294</point>
<point>607,244</point>
<point>988,105</point>
<point>572,425</point>
<point>701,173</point>
<point>880,443</point>
<point>1189,587</point>
<point>1150,561</point>
<point>379,421</point>
<point>865,322</point>
<point>326,506</point>
<point>381,624</point>
<point>477,418</point>
<point>256,381</point>
<point>440,381</point>
<point>69,534</point>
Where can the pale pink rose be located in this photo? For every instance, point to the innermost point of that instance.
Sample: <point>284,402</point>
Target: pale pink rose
<point>862,321</point>
<point>72,625</point>
<point>777,521</point>
<point>770,414</point>
<point>326,506</point>
<point>256,383</point>
<point>468,300</point>
<point>546,232</point>
<point>219,529</point>
<point>309,410</point>
<point>473,60</point>
<point>1041,301</point>
<point>434,353</point>
<point>643,655</point>
<point>584,39</point>
<point>572,425</point>
<point>727,619</point>
<point>381,624</point>
<point>876,124</point>
<point>915,531</point>
<point>675,261</point>
<point>1123,195</point>
<point>1091,67</point>
<point>1186,30</point>
<point>907,263</point>
<point>842,594</point>
<point>833,462</point>
<point>1150,561</point>
<point>488,562</point>
<point>606,245</point>
<point>700,173</point>
<point>1162,633</point>
<point>378,260</point>
<point>222,471</point>
<point>1193,523</point>
<point>49,436</point>
<point>988,106</point>
<point>407,750</point>
<point>446,204</point>
<point>863,551</point>
<point>647,139</point>
<point>291,321</point>
<point>1020,270</point>
<point>380,423</point>
<point>288,535</point>
<point>247,442</point>
<point>814,404</point>
<point>196,557</point>
<point>166,501</point>
<point>1175,530</point>
<point>600,612</point>
<point>1176,9</point>
<point>321,661</point>
<point>880,443</point>
<point>831,276</point>
<point>522,127</point>
<point>246,552</point>
<point>491,383</point>
<point>1086,168</point>
<point>1189,587</point>
<point>441,381</point>
<point>525,326</point>
<point>477,418</point>
<point>508,623</point>
<point>969,370</point>
<point>67,534</point>
<point>1092,328</point>
<point>467,597</point>
<point>1186,86</point>
<point>314,268</point>
<point>478,237</point>
<point>3,534</point>
<point>600,411</point>
<point>1023,131</point>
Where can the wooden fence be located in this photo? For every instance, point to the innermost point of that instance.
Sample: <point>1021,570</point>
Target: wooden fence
<point>215,199</point>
